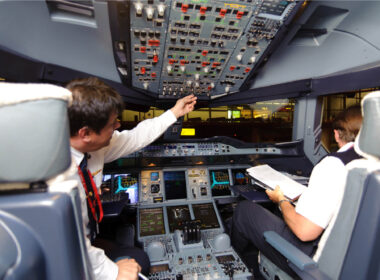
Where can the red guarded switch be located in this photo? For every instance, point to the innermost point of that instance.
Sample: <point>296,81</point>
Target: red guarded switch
<point>239,15</point>
<point>204,53</point>
<point>222,12</point>
<point>143,49</point>
<point>155,58</point>
<point>184,8</point>
<point>203,10</point>
<point>142,70</point>
<point>232,68</point>
<point>153,74</point>
<point>247,69</point>
<point>205,63</point>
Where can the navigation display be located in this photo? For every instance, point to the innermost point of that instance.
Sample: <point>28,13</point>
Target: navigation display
<point>220,182</point>
<point>206,214</point>
<point>175,184</point>
<point>240,177</point>
<point>151,221</point>
<point>177,215</point>
<point>127,183</point>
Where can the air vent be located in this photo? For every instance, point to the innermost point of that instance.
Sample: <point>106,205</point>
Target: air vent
<point>75,7</point>
<point>76,12</point>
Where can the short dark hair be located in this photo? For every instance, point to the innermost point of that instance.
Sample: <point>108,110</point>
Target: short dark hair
<point>93,103</point>
<point>348,123</point>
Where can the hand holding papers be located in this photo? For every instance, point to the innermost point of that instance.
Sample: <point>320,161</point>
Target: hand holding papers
<point>267,177</point>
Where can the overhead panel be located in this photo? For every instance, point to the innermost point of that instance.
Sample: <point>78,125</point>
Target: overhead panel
<point>208,48</point>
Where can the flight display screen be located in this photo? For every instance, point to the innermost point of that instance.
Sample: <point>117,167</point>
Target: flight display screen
<point>220,182</point>
<point>127,183</point>
<point>151,221</point>
<point>177,215</point>
<point>206,214</point>
<point>240,177</point>
<point>175,184</point>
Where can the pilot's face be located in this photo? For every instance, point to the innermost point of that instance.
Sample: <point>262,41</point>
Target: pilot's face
<point>103,139</point>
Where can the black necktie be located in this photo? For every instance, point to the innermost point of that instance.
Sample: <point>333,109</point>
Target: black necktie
<point>90,193</point>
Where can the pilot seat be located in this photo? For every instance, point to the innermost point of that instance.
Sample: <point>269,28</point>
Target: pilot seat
<point>41,229</point>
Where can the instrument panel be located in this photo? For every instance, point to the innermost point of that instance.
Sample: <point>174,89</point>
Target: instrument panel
<point>209,48</point>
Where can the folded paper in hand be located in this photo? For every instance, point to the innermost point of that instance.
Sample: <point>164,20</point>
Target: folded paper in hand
<point>267,177</point>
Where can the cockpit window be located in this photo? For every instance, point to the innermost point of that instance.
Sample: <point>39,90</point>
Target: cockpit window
<point>332,106</point>
<point>266,121</point>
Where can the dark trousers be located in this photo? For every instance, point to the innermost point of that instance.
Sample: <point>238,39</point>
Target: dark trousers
<point>116,252</point>
<point>249,222</point>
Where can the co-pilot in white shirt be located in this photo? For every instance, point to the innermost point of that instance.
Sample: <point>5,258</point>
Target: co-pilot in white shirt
<point>122,144</point>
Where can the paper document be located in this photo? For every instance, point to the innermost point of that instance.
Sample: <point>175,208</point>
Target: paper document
<point>268,177</point>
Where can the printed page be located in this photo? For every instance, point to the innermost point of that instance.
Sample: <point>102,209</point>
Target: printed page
<point>268,177</point>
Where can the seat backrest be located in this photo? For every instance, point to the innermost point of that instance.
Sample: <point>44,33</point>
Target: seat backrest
<point>41,230</point>
<point>352,245</point>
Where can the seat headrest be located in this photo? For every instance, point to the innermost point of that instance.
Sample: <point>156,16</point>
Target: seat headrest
<point>366,143</point>
<point>35,139</point>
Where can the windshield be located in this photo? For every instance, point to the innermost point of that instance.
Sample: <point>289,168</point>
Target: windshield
<point>267,121</point>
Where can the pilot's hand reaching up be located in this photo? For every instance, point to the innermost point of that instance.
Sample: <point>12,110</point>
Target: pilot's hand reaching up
<point>128,269</point>
<point>184,105</point>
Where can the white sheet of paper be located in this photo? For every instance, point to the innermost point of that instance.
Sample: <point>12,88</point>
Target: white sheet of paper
<point>272,178</point>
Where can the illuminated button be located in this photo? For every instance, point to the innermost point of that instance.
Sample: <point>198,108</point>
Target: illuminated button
<point>169,69</point>
<point>252,59</point>
<point>184,8</point>
<point>182,68</point>
<point>215,64</point>
<point>239,15</point>
<point>154,43</point>
<point>142,70</point>
<point>171,61</point>
<point>232,68</point>
<point>143,49</point>
<point>239,57</point>
<point>247,70</point>
<point>203,10</point>
<point>145,85</point>
<point>222,12</point>
<point>155,58</point>
<point>205,52</point>
<point>153,75</point>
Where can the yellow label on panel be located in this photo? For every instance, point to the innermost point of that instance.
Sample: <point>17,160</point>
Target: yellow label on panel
<point>234,6</point>
<point>188,132</point>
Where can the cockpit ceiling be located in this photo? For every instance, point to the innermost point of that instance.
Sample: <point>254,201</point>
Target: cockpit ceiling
<point>225,52</point>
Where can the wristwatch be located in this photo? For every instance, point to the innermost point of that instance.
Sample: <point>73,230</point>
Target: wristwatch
<point>283,200</point>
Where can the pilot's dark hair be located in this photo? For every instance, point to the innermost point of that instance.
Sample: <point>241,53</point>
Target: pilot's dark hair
<point>93,103</point>
<point>348,123</point>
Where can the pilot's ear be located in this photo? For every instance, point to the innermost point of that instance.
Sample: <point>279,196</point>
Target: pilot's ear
<point>84,134</point>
